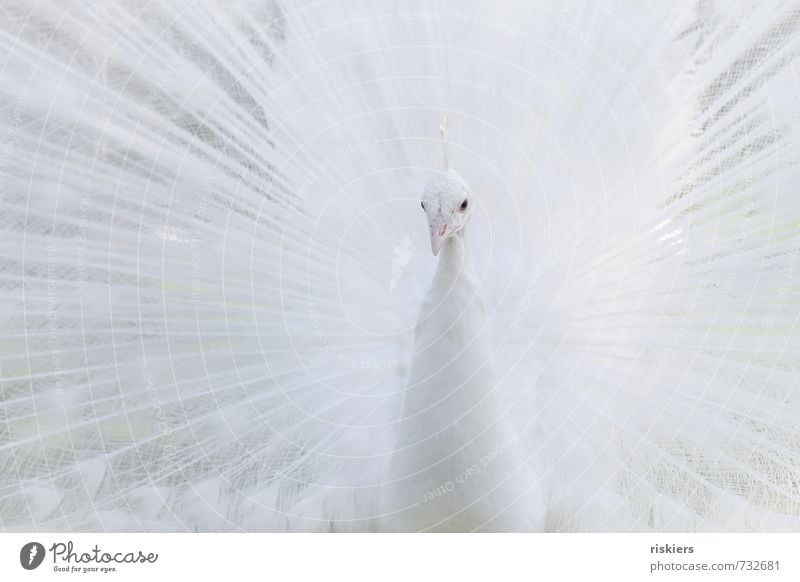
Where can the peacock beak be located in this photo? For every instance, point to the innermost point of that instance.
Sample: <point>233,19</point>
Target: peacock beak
<point>438,232</point>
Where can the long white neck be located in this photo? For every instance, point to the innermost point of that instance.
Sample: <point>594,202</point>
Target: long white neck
<point>452,425</point>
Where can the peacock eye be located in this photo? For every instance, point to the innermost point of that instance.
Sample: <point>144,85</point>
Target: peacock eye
<point>423,205</point>
<point>463,206</point>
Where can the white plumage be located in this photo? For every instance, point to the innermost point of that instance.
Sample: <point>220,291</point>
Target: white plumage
<point>457,464</point>
<point>213,260</point>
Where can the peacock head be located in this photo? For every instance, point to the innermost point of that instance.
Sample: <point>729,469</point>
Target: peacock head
<point>448,203</point>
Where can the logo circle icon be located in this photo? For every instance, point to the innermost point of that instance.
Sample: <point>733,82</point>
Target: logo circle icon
<point>31,555</point>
